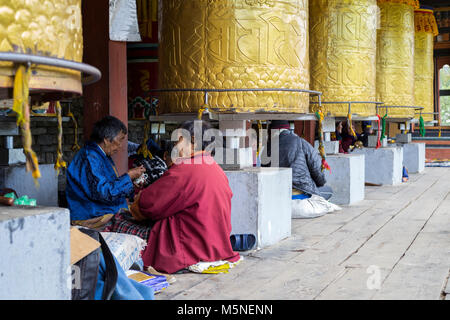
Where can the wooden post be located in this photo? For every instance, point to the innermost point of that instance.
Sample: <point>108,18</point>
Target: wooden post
<point>109,95</point>
<point>306,129</point>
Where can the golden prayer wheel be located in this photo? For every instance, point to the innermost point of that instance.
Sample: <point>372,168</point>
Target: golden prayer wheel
<point>240,44</point>
<point>395,57</point>
<point>426,29</point>
<point>343,35</point>
<point>50,28</point>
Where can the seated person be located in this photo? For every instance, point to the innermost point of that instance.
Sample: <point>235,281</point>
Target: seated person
<point>190,206</point>
<point>367,130</point>
<point>344,135</point>
<point>151,145</point>
<point>94,190</point>
<point>305,161</point>
<point>123,222</point>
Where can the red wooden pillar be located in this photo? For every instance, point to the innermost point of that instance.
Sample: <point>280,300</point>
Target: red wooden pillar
<point>109,95</point>
<point>306,129</point>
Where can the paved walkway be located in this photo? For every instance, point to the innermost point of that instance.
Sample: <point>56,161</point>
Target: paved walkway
<point>393,245</point>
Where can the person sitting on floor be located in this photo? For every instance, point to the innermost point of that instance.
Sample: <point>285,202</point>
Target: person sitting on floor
<point>94,191</point>
<point>190,206</point>
<point>305,161</point>
<point>367,130</point>
<point>345,136</point>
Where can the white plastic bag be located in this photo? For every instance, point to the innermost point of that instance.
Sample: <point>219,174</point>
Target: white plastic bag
<point>125,247</point>
<point>313,207</point>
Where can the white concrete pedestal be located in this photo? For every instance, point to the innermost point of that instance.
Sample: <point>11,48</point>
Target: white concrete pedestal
<point>414,156</point>
<point>383,165</point>
<point>346,178</point>
<point>261,203</point>
<point>35,253</point>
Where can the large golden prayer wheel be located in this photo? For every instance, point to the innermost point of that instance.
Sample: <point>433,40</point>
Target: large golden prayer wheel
<point>50,28</point>
<point>395,57</point>
<point>426,29</point>
<point>223,44</point>
<point>343,35</point>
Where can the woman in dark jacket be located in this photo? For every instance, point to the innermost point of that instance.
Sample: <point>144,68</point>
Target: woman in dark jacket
<point>305,161</point>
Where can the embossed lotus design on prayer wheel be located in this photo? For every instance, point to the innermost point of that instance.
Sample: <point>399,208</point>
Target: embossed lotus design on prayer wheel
<point>234,44</point>
<point>51,28</point>
<point>395,57</point>
<point>426,29</point>
<point>343,35</point>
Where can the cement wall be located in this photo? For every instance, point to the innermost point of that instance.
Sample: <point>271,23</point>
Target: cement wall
<point>346,178</point>
<point>35,253</point>
<point>261,203</point>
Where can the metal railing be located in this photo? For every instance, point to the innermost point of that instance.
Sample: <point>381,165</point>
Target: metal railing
<point>350,103</point>
<point>93,73</point>
<point>207,91</point>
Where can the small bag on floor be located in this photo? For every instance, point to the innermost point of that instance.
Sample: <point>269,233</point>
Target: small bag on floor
<point>313,207</point>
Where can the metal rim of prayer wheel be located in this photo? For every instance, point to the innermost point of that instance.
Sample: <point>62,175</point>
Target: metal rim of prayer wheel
<point>395,58</point>
<point>50,28</point>
<point>235,44</point>
<point>425,31</point>
<point>343,54</point>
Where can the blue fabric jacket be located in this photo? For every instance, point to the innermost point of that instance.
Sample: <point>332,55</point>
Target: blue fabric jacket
<point>126,289</point>
<point>93,187</point>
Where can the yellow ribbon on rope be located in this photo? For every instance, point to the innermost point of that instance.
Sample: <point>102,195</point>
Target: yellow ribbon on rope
<point>60,163</point>
<point>143,149</point>
<point>75,146</point>
<point>21,107</point>
<point>349,122</point>
<point>260,138</point>
<point>201,111</point>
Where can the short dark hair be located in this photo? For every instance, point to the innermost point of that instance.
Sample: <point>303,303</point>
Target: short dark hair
<point>108,127</point>
<point>167,146</point>
<point>190,125</point>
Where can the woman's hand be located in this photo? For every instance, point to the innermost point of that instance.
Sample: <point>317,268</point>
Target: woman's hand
<point>134,208</point>
<point>136,172</point>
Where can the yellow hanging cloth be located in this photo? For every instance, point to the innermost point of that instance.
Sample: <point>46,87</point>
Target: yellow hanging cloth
<point>22,108</point>
<point>60,163</point>
<point>260,138</point>
<point>75,146</point>
<point>349,122</point>
<point>143,149</point>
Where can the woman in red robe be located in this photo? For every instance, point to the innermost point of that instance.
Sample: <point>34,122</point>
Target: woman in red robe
<point>190,206</point>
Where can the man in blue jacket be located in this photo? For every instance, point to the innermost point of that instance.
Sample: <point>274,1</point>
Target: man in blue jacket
<point>94,190</point>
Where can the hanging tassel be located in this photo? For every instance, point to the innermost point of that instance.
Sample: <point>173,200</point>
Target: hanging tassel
<point>22,108</point>
<point>349,121</point>
<point>143,149</point>
<point>320,117</point>
<point>75,147</point>
<point>378,132</point>
<point>60,163</point>
<point>260,138</point>
<point>422,126</point>
<point>383,127</point>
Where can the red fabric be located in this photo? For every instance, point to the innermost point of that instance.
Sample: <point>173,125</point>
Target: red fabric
<point>191,207</point>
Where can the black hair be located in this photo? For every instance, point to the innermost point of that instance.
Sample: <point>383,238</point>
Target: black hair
<point>190,125</point>
<point>107,128</point>
<point>167,146</point>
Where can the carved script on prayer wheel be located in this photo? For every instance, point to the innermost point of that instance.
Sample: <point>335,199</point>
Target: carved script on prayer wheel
<point>395,59</point>
<point>426,29</point>
<point>343,36</point>
<point>219,44</point>
<point>51,28</point>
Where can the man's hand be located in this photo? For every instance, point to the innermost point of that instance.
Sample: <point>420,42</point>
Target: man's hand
<point>136,172</point>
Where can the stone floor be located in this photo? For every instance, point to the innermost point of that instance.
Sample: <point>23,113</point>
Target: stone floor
<point>395,244</point>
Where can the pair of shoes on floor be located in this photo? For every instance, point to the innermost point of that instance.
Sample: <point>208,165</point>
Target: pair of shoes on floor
<point>242,242</point>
